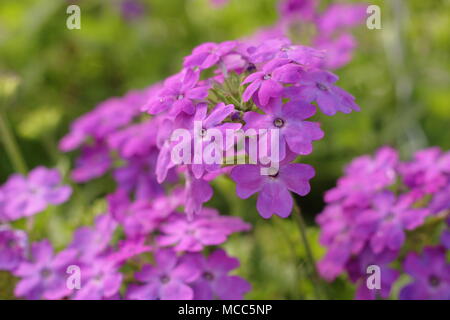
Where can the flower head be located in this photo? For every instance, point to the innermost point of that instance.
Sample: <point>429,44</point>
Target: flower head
<point>215,281</point>
<point>168,279</point>
<point>26,196</point>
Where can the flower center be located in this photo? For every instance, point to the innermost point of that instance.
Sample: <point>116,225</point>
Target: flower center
<point>267,76</point>
<point>46,273</point>
<point>434,281</point>
<point>208,276</point>
<point>322,86</point>
<point>164,279</point>
<point>180,97</point>
<point>279,123</point>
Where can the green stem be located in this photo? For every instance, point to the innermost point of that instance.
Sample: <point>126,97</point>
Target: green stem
<point>315,279</point>
<point>11,147</point>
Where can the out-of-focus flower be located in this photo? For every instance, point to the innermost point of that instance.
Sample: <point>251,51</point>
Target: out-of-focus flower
<point>13,246</point>
<point>101,280</point>
<point>44,275</point>
<point>215,281</point>
<point>207,228</point>
<point>168,279</point>
<point>430,272</point>
<point>178,94</point>
<point>26,196</point>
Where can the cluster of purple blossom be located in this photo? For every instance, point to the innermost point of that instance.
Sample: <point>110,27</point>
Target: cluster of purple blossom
<point>157,210</point>
<point>262,83</point>
<point>152,225</point>
<point>395,215</point>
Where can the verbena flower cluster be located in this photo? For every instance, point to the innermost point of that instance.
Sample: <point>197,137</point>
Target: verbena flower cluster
<point>395,215</point>
<point>156,239</point>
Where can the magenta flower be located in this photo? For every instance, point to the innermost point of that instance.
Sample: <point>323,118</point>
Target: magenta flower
<point>209,54</point>
<point>268,83</point>
<point>429,171</point>
<point>344,233</point>
<point>441,200</point>
<point>105,119</point>
<point>294,132</point>
<point>13,246</point>
<point>179,93</point>
<point>44,276</point>
<point>201,136</point>
<point>101,280</point>
<point>168,279</point>
<point>135,140</point>
<point>393,217</point>
<point>274,196</point>
<point>205,229</point>
<point>303,9</point>
<point>341,16</point>
<point>138,176</point>
<point>132,9</point>
<point>339,50</point>
<point>430,273</point>
<point>89,242</point>
<point>137,218</point>
<point>364,177</point>
<point>26,196</point>
<point>282,48</point>
<point>319,86</point>
<point>197,192</point>
<point>215,281</point>
<point>93,162</point>
<point>357,269</point>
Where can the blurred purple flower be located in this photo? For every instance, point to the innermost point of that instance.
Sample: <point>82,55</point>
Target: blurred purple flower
<point>179,94</point>
<point>44,275</point>
<point>26,196</point>
<point>215,281</point>
<point>430,272</point>
<point>132,9</point>
<point>209,54</point>
<point>207,228</point>
<point>13,246</point>
<point>168,279</point>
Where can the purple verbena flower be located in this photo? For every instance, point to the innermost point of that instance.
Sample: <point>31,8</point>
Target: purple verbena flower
<point>430,272</point>
<point>179,94</point>
<point>319,86</point>
<point>268,83</point>
<point>101,280</point>
<point>209,54</point>
<point>207,228</point>
<point>168,279</point>
<point>289,119</point>
<point>215,281</point>
<point>26,196</point>
<point>274,196</point>
<point>44,275</point>
<point>13,247</point>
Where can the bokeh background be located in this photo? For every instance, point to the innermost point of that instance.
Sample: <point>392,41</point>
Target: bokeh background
<point>50,75</point>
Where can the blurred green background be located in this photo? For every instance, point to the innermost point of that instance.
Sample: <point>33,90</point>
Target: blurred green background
<point>50,75</point>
